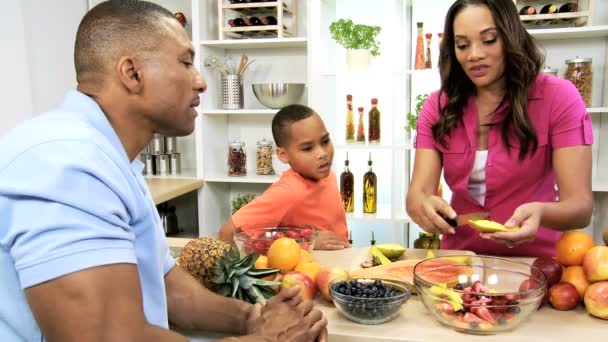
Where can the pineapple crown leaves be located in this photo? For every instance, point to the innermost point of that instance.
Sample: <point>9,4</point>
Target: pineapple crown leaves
<point>238,278</point>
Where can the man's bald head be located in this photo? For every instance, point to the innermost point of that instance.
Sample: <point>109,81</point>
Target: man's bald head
<point>114,28</point>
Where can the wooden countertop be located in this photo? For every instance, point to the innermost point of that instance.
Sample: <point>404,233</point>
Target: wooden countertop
<point>415,323</point>
<point>164,189</point>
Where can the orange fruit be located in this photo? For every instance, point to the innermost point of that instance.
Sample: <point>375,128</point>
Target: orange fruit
<point>311,269</point>
<point>262,262</point>
<point>576,276</point>
<point>305,256</point>
<point>572,246</point>
<point>284,254</point>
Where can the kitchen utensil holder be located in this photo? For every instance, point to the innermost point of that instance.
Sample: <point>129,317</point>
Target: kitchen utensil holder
<point>232,92</point>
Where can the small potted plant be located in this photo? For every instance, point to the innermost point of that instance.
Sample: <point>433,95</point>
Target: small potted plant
<point>359,40</point>
<point>412,118</point>
<point>240,201</point>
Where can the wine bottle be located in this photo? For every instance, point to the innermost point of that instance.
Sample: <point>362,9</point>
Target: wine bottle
<point>347,188</point>
<point>527,10</point>
<point>370,189</point>
<point>350,119</point>
<point>548,9</point>
<point>568,7</point>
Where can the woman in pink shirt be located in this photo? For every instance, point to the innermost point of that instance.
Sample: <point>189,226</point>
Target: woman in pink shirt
<point>505,136</point>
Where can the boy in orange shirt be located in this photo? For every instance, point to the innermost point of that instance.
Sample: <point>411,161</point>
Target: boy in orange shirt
<point>306,194</point>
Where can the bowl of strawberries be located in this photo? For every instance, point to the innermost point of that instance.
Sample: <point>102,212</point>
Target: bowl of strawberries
<point>259,240</point>
<point>490,295</point>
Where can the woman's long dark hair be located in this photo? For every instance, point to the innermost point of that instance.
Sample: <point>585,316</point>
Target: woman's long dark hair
<point>523,62</point>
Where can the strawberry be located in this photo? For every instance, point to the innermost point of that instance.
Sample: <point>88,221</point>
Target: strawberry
<point>485,314</point>
<point>471,317</point>
<point>512,297</point>
<point>478,287</point>
<point>278,236</point>
<point>292,234</point>
<point>305,233</point>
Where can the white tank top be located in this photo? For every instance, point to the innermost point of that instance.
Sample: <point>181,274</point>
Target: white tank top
<point>477,181</point>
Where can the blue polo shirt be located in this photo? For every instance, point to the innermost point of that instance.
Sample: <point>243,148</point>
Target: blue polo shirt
<point>70,199</point>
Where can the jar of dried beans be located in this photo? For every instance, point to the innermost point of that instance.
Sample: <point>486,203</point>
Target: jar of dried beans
<point>580,73</point>
<point>237,159</point>
<point>264,158</point>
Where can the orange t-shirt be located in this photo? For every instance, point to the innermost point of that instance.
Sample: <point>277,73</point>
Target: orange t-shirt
<point>295,201</point>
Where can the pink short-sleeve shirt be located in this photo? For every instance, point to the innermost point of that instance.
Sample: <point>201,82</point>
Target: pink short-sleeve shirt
<point>560,119</point>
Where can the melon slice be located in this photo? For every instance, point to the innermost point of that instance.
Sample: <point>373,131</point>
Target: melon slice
<point>403,270</point>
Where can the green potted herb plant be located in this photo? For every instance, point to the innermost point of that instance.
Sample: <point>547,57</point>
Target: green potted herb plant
<point>360,41</point>
<point>412,118</point>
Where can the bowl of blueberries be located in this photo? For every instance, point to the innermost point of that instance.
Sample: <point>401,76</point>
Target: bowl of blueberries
<point>369,301</point>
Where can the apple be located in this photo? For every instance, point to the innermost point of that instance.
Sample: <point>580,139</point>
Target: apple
<point>325,276</point>
<point>294,278</point>
<point>595,264</point>
<point>596,299</point>
<point>564,296</point>
<point>550,267</point>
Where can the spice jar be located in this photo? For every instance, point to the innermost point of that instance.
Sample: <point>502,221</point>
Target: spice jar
<point>580,73</point>
<point>237,159</point>
<point>550,71</point>
<point>263,155</point>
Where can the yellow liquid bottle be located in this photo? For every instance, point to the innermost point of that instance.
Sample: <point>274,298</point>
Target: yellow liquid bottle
<point>370,190</point>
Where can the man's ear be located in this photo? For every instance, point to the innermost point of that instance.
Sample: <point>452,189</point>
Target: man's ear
<point>130,74</point>
<point>282,155</point>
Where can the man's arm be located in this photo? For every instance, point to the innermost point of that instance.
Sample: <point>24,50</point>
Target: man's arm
<point>101,303</point>
<point>192,306</point>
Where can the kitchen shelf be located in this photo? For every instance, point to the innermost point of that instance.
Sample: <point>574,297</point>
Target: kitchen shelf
<point>241,112</point>
<point>185,173</point>
<point>599,31</point>
<point>164,189</point>
<point>368,146</point>
<point>383,214</point>
<point>257,8</point>
<point>262,43</point>
<point>603,110</point>
<point>245,179</point>
<point>599,186</point>
<point>255,31</point>
<point>555,16</point>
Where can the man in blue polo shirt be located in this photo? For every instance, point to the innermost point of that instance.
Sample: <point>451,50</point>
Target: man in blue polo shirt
<point>82,253</point>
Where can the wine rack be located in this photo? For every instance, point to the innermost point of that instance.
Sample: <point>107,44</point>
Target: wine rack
<point>240,19</point>
<point>560,13</point>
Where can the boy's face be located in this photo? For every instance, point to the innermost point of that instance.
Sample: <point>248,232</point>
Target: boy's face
<point>309,150</point>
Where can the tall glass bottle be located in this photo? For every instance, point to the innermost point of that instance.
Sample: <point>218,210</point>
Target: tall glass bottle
<point>350,119</point>
<point>373,127</point>
<point>347,188</point>
<point>419,60</point>
<point>360,128</point>
<point>428,63</point>
<point>370,188</point>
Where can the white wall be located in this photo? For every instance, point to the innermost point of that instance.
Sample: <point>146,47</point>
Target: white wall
<point>50,31</point>
<point>15,90</point>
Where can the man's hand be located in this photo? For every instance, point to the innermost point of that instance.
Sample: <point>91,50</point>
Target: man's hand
<point>527,217</point>
<point>329,240</point>
<point>287,317</point>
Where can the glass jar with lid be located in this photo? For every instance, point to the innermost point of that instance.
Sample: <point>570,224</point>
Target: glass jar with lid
<point>263,155</point>
<point>237,159</point>
<point>579,71</point>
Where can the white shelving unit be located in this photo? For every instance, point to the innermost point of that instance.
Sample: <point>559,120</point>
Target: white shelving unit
<point>240,112</point>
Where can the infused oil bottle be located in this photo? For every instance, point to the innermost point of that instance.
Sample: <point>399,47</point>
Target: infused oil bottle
<point>370,188</point>
<point>347,189</point>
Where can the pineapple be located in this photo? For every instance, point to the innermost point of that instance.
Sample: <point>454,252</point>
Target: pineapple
<point>219,267</point>
<point>238,278</point>
<point>199,257</point>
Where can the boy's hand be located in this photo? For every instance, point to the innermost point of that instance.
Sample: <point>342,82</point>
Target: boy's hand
<point>329,240</point>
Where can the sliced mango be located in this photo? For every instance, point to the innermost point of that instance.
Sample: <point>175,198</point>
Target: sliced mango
<point>487,226</point>
<point>448,296</point>
<point>375,252</point>
<point>429,254</point>
<point>462,259</point>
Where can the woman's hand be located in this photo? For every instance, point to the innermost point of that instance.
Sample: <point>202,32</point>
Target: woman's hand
<point>329,240</point>
<point>429,215</point>
<point>527,217</point>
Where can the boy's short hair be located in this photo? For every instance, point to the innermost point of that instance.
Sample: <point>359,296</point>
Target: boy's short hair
<point>284,118</point>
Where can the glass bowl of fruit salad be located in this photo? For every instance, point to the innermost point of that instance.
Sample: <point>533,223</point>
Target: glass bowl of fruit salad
<point>479,294</point>
<point>258,240</point>
<point>369,301</point>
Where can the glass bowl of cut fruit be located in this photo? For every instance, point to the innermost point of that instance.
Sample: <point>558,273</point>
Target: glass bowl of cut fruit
<point>369,301</point>
<point>488,295</point>
<point>259,240</point>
